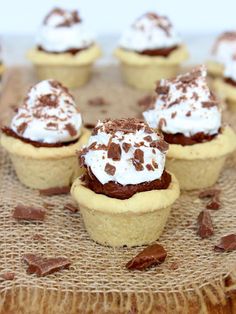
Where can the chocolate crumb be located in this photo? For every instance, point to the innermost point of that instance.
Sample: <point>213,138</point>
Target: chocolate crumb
<point>174,266</point>
<point>126,147</point>
<point>148,138</point>
<point>38,237</point>
<point>209,193</point>
<point>22,212</point>
<point>214,204</point>
<point>146,102</point>
<point>152,255</point>
<point>98,101</point>
<point>188,114</point>
<point>162,90</point>
<point>55,191</point>
<point>226,244</point>
<point>109,169</point>
<point>114,151</point>
<point>161,145</point>
<point>204,224</point>
<point>44,266</point>
<point>8,276</point>
<point>71,207</point>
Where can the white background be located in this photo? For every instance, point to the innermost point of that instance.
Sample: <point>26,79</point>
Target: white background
<point>112,16</point>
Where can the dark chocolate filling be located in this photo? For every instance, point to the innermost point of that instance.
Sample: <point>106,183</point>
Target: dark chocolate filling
<point>72,51</point>
<point>163,52</point>
<point>183,140</point>
<point>116,190</point>
<point>10,132</point>
<point>230,81</point>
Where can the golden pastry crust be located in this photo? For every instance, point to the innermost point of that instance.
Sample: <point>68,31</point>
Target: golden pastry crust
<point>17,147</point>
<point>221,145</point>
<point>227,91</point>
<point>136,221</point>
<point>44,167</point>
<point>143,202</point>
<point>2,68</point>
<point>215,69</point>
<point>84,57</point>
<point>176,57</point>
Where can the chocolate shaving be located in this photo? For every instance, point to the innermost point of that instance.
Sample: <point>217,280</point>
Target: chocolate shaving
<point>152,255</point>
<point>48,205</point>
<point>214,194</point>
<point>147,102</point>
<point>137,164</point>
<point>209,104</point>
<point>204,224</point>
<point>214,204</point>
<point>173,266</point>
<point>173,115</point>
<point>114,151</point>
<point>22,212</point>
<point>109,169</point>
<point>71,129</point>
<point>161,145</point>
<point>188,114</point>
<point>44,266</point>
<point>162,90</point>
<point>97,101</point>
<point>162,123</point>
<point>71,207</point>
<point>22,127</point>
<point>70,18</point>
<point>149,167</point>
<point>126,147</point>
<point>55,191</point>
<point>8,276</point>
<point>148,138</point>
<point>226,244</point>
<point>139,155</point>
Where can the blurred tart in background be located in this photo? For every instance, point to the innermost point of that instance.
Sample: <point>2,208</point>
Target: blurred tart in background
<point>149,51</point>
<point>223,50</point>
<point>65,50</point>
<point>188,114</point>
<point>226,86</point>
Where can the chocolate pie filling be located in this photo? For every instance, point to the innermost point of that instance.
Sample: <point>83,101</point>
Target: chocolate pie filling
<point>10,132</point>
<point>72,51</point>
<point>230,81</point>
<point>116,190</point>
<point>183,140</point>
<point>163,52</point>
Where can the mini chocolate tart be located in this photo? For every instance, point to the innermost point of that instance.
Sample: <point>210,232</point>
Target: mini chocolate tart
<point>122,192</point>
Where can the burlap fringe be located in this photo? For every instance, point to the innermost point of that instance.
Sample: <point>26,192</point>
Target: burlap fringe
<point>211,298</point>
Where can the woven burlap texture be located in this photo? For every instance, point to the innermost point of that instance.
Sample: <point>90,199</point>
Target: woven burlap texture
<point>97,281</point>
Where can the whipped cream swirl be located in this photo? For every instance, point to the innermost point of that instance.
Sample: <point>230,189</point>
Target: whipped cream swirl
<point>150,32</point>
<point>126,151</point>
<point>63,30</point>
<point>48,115</point>
<point>224,47</point>
<point>185,105</point>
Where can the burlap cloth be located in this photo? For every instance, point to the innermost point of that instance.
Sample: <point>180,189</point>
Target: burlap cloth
<point>193,279</point>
